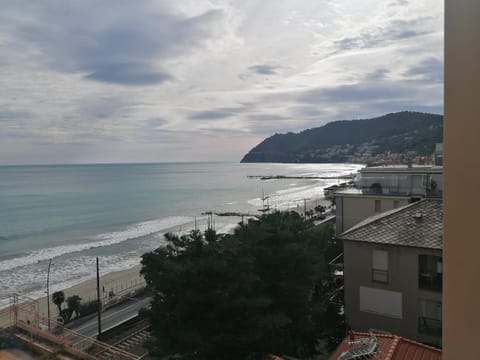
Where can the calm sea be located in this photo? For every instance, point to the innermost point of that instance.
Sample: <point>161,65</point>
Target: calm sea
<point>73,213</point>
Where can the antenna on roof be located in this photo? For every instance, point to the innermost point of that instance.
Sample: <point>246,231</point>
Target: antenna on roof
<point>365,348</point>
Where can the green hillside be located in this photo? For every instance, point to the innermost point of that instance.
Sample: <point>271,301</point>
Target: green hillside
<point>402,133</point>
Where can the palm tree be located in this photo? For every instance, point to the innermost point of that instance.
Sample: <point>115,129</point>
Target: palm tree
<point>58,297</point>
<point>73,303</point>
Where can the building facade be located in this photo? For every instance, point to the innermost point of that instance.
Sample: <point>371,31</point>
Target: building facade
<point>383,188</point>
<point>393,272</point>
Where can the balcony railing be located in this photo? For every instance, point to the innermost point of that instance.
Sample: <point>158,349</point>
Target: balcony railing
<point>428,281</point>
<point>429,326</point>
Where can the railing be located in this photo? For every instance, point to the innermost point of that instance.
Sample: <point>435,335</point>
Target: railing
<point>429,326</point>
<point>432,282</point>
<point>23,315</point>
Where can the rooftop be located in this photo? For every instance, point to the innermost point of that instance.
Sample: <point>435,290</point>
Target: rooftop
<point>390,347</point>
<point>417,225</point>
<point>402,169</point>
<point>366,193</point>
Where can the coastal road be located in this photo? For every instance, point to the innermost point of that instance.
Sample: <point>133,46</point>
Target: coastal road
<point>112,317</point>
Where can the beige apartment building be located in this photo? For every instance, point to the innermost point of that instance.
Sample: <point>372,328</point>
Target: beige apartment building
<point>393,272</point>
<point>383,188</point>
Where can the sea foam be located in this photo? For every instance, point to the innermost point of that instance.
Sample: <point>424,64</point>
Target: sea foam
<point>107,239</point>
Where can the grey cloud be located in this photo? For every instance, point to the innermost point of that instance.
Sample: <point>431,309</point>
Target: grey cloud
<point>156,123</point>
<point>264,69</point>
<point>376,97</point>
<point>430,69</point>
<point>259,69</point>
<point>13,116</point>
<point>306,111</point>
<point>128,74</point>
<point>114,41</point>
<point>376,75</point>
<point>395,30</point>
<point>212,114</point>
<point>104,107</point>
<point>399,3</point>
<point>222,131</point>
<point>371,97</point>
<point>358,92</point>
<point>266,117</point>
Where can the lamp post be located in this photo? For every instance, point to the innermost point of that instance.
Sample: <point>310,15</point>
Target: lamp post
<point>99,303</point>
<point>48,294</point>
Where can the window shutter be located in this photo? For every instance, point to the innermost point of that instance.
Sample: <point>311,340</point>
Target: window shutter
<point>380,260</point>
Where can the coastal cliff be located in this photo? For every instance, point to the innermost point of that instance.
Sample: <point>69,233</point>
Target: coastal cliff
<point>391,136</point>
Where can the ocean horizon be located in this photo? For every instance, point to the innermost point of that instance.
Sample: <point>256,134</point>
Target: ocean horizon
<point>72,213</point>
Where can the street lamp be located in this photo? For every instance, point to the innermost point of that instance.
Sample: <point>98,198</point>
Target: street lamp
<point>48,294</point>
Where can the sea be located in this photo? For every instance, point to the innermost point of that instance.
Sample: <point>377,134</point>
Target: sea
<point>117,212</point>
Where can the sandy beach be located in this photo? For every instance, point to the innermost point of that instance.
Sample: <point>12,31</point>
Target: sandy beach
<point>119,283</point>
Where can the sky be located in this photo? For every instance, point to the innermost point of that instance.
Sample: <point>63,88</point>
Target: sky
<point>204,80</point>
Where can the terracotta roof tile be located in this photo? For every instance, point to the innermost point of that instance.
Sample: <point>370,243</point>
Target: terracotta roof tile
<point>391,347</point>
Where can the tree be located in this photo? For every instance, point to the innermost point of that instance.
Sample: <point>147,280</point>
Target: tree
<point>73,303</point>
<point>240,296</point>
<point>58,297</point>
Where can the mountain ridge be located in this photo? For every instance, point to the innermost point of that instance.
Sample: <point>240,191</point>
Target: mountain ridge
<point>405,133</point>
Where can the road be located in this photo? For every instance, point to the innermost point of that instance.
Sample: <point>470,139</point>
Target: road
<point>112,317</point>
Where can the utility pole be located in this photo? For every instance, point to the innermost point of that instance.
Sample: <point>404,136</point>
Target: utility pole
<point>305,207</point>
<point>99,303</point>
<point>48,294</point>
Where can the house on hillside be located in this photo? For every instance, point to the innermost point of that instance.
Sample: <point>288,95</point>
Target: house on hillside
<point>393,272</point>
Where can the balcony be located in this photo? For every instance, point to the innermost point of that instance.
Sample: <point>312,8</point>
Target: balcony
<point>429,281</point>
<point>429,326</point>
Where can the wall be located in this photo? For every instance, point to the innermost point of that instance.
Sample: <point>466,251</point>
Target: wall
<point>403,278</point>
<point>461,179</point>
<point>353,209</point>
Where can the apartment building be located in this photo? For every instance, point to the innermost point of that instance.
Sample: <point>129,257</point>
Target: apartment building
<point>393,272</point>
<point>383,188</point>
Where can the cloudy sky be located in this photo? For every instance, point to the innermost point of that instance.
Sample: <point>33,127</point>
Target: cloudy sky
<point>185,80</point>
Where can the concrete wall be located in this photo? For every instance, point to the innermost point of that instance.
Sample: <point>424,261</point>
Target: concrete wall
<point>462,173</point>
<point>403,278</point>
<point>352,209</point>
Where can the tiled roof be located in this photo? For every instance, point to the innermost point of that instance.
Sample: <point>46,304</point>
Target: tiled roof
<point>418,225</point>
<point>390,347</point>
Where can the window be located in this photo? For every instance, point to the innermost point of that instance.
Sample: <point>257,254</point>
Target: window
<point>430,319</point>
<point>380,266</point>
<point>378,206</point>
<point>430,272</point>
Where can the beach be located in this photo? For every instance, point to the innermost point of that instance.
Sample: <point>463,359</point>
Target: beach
<point>118,283</point>
<point>115,284</point>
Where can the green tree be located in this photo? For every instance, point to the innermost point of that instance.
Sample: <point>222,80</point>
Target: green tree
<point>241,296</point>
<point>58,297</point>
<point>73,303</point>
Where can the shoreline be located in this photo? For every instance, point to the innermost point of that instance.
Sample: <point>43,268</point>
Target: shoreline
<point>124,281</point>
<point>119,283</point>
<point>128,280</point>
